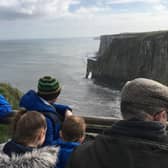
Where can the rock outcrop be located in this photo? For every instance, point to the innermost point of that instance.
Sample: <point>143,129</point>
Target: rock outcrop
<point>123,57</point>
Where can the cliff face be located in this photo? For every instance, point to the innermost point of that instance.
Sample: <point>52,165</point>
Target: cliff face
<point>127,56</point>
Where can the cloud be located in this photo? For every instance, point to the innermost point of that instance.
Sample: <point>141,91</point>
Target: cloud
<point>10,9</point>
<point>84,23</point>
<point>24,9</point>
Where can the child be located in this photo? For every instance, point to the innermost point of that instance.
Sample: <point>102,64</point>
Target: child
<point>72,134</point>
<point>28,133</point>
<point>44,101</point>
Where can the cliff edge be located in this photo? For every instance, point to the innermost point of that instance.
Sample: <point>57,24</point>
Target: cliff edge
<point>127,56</point>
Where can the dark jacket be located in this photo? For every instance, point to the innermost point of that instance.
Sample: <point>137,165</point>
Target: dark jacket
<point>45,157</point>
<point>12,147</point>
<point>128,144</point>
<point>66,148</point>
<point>31,101</point>
<point>5,107</point>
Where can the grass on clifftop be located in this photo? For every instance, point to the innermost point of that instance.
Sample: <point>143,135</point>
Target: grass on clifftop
<point>4,133</point>
<point>13,95</point>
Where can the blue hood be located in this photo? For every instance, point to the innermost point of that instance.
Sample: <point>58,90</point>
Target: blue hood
<point>67,145</point>
<point>66,148</point>
<point>32,101</point>
<point>13,147</point>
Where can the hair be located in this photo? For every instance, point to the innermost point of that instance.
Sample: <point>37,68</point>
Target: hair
<point>26,126</point>
<point>49,97</point>
<point>73,128</point>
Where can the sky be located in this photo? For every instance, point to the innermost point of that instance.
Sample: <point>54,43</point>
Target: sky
<point>22,19</point>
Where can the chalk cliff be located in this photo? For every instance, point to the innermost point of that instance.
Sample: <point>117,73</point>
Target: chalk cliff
<point>126,56</point>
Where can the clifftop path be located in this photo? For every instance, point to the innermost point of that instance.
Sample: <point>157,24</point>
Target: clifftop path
<point>123,57</point>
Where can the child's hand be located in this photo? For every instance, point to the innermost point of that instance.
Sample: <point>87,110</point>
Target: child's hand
<point>68,113</point>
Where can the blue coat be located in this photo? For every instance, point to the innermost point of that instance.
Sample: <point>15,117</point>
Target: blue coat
<point>66,148</point>
<point>31,101</point>
<point>5,107</point>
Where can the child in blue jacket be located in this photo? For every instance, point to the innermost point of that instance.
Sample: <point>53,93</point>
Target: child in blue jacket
<point>44,101</point>
<point>72,135</point>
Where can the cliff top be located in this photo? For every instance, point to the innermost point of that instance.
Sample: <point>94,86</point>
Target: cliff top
<point>134,35</point>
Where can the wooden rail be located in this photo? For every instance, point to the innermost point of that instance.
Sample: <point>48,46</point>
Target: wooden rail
<point>98,124</point>
<point>94,124</point>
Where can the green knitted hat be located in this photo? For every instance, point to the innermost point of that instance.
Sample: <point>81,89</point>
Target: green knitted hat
<point>48,87</point>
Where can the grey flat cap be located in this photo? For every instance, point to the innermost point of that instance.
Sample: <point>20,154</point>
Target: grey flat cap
<point>145,92</point>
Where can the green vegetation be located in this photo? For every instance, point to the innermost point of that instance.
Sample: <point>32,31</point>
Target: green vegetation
<point>4,133</point>
<point>13,96</point>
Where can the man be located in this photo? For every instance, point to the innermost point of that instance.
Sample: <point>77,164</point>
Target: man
<point>44,101</point>
<point>138,141</point>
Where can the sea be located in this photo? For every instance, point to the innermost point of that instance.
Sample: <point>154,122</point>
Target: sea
<point>23,62</point>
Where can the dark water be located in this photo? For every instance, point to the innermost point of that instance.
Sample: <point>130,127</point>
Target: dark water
<point>22,62</point>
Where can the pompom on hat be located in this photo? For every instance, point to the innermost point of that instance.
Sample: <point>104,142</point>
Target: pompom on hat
<point>48,88</point>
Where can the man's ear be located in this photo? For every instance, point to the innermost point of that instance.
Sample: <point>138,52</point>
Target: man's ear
<point>161,117</point>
